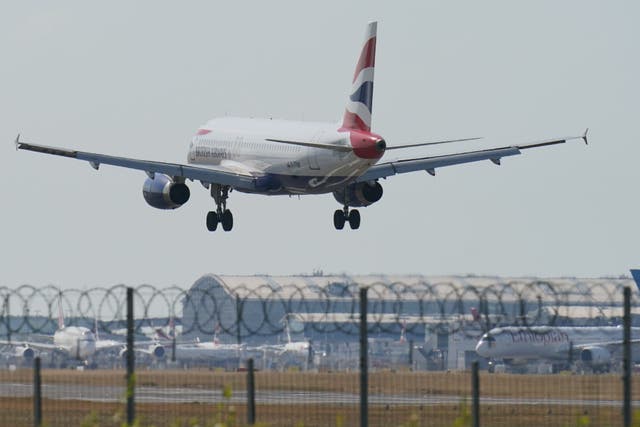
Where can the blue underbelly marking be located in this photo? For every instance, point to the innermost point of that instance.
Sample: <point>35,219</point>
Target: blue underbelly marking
<point>275,184</point>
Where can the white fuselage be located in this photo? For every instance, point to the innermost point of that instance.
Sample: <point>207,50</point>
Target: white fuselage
<point>207,351</point>
<point>77,341</point>
<point>296,347</point>
<point>541,342</point>
<point>241,145</point>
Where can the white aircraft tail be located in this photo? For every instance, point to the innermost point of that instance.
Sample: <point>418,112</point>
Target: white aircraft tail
<point>286,328</point>
<point>216,340</point>
<point>60,315</point>
<point>360,103</point>
<point>403,332</point>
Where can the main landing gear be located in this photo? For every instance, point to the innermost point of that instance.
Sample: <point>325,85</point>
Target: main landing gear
<point>344,215</point>
<point>222,215</point>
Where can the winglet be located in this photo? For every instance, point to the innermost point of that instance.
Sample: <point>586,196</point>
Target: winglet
<point>636,277</point>
<point>17,141</point>
<point>584,136</point>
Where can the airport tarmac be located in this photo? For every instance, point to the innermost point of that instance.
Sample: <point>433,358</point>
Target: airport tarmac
<point>192,395</point>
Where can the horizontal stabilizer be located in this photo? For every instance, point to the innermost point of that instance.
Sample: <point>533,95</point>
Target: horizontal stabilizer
<point>423,144</point>
<point>342,148</point>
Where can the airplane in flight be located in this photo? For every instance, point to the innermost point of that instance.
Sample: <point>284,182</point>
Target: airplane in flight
<point>281,157</point>
<point>594,346</point>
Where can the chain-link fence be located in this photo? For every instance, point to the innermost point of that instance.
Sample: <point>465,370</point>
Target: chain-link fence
<point>549,353</point>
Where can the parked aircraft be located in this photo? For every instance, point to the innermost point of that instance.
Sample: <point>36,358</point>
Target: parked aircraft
<point>208,351</point>
<point>290,348</point>
<point>76,343</point>
<point>278,157</point>
<point>593,346</point>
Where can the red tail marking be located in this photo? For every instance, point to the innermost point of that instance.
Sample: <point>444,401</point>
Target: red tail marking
<point>367,57</point>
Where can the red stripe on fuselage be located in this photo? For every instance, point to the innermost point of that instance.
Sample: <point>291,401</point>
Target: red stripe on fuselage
<point>367,57</point>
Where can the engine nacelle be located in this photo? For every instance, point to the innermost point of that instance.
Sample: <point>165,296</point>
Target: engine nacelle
<point>595,355</point>
<point>157,351</point>
<point>25,353</point>
<point>359,194</point>
<point>162,192</point>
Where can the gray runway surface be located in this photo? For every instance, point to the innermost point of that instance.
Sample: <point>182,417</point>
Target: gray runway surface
<point>283,397</point>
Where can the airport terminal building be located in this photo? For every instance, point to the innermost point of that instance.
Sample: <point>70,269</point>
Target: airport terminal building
<point>434,311</point>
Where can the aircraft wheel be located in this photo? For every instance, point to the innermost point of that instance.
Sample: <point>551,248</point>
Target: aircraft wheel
<point>338,219</point>
<point>354,219</point>
<point>227,220</point>
<point>212,221</point>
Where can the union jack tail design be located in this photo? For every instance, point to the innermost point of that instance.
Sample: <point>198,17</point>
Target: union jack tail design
<point>360,102</point>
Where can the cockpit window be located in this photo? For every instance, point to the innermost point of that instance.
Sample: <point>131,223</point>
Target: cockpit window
<point>489,339</point>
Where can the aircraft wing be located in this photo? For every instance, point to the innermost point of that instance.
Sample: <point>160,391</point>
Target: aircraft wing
<point>194,173</point>
<point>32,344</point>
<point>430,164</point>
<point>109,344</point>
<point>608,344</point>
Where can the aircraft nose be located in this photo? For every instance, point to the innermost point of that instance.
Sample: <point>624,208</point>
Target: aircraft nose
<point>87,348</point>
<point>482,349</point>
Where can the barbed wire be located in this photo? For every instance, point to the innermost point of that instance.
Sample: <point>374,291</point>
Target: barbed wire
<point>257,311</point>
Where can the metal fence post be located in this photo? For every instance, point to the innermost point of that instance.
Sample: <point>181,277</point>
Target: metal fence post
<point>251,394</point>
<point>475,394</point>
<point>238,330</point>
<point>364,362</point>
<point>173,348</point>
<point>238,320</point>
<point>131,381</point>
<point>37,393</point>
<point>626,357</point>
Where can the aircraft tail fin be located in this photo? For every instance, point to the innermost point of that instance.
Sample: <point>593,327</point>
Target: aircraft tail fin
<point>216,340</point>
<point>636,277</point>
<point>60,315</point>
<point>360,102</point>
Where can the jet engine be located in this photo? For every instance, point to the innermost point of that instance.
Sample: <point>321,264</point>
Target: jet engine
<point>157,351</point>
<point>595,355</point>
<point>122,354</point>
<point>162,192</point>
<point>26,353</point>
<point>359,194</point>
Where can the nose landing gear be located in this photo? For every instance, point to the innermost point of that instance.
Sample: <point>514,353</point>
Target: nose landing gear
<point>222,215</point>
<point>344,215</point>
